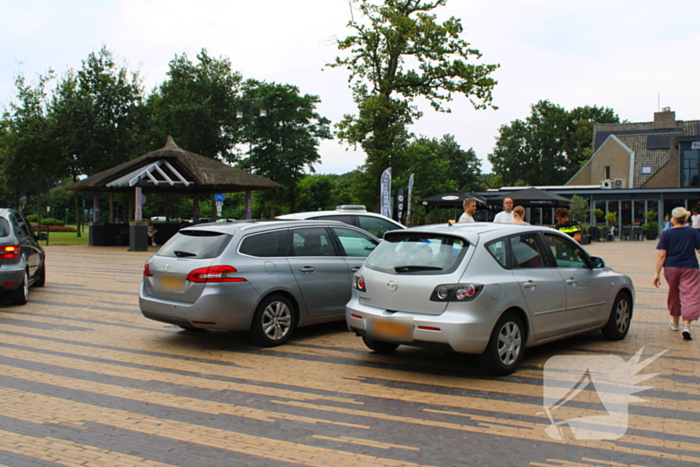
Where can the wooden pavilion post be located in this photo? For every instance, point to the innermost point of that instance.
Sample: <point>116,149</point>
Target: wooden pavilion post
<point>138,213</point>
<point>95,207</point>
<point>248,205</point>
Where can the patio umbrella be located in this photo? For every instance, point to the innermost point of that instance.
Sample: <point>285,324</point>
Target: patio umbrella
<point>532,198</point>
<point>451,199</point>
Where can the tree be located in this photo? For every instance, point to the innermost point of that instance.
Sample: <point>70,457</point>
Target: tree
<point>549,146</point>
<point>109,100</point>
<point>464,166</point>
<point>27,152</point>
<point>196,105</point>
<point>316,191</point>
<point>402,54</point>
<point>284,143</point>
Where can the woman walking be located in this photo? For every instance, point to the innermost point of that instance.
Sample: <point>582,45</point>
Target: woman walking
<point>676,255</point>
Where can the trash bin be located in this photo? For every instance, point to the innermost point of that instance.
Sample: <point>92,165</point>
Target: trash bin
<point>138,236</point>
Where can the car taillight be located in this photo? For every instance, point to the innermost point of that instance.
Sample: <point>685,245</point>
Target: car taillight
<point>147,270</point>
<point>358,282</point>
<point>9,252</point>
<point>455,292</point>
<point>214,274</point>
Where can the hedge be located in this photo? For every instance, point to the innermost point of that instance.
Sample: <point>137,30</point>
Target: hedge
<point>53,228</point>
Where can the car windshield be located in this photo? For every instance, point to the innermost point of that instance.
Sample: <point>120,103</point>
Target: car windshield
<point>417,253</point>
<point>199,244</point>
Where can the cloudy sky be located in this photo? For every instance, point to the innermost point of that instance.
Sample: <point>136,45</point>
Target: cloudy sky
<point>632,56</point>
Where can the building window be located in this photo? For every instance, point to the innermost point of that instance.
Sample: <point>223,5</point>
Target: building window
<point>691,171</point>
<point>608,173</point>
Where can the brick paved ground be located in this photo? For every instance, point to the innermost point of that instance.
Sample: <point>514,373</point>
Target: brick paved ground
<point>86,380</point>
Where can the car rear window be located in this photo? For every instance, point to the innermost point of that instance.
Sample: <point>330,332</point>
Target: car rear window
<point>4,227</point>
<point>200,244</point>
<point>418,253</point>
<point>266,244</point>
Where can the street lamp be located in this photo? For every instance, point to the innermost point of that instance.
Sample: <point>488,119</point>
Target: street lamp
<point>262,112</point>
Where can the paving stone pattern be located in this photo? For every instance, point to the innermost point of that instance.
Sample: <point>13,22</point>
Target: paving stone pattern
<point>85,380</point>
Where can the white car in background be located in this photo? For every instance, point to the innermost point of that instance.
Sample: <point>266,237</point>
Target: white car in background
<point>375,224</point>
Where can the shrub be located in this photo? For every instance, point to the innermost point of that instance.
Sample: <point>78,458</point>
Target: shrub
<point>611,217</point>
<point>53,228</point>
<point>598,214</point>
<point>52,221</point>
<point>31,217</point>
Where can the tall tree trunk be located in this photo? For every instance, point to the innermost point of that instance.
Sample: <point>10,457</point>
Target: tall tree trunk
<point>77,210</point>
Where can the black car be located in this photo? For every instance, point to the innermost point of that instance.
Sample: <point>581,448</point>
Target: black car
<point>21,258</point>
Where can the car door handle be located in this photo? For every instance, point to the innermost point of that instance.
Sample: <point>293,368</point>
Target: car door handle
<point>307,269</point>
<point>571,282</point>
<point>530,285</point>
<point>356,268</point>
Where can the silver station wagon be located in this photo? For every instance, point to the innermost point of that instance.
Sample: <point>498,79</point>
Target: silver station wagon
<point>265,277</point>
<point>486,289</point>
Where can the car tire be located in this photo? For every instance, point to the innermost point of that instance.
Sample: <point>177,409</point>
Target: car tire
<point>620,316</point>
<point>380,347</point>
<point>20,295</point>
<point>274,321</point>
<point>506,346</point>
<point>40,279</point>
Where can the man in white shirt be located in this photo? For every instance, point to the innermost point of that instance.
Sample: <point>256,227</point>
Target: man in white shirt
<point>695,219</point>
<point>505,216</point>
<point>469,210</point>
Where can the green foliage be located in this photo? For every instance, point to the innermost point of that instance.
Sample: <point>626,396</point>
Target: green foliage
<point>464,167</point>
<point>98,112</point>
<point>651,226</point>
<point>196,105</point>
<point>316,192</point>
<point>399,54</point>
<point>51,221</point>
<point>651,216</point>
<point>599,214</point>
<point>578,210</point>
<point>28,154</point>
<point>492,180</point>
<point>549,146</point>
<point>611,217</point>
<point>284,143</point>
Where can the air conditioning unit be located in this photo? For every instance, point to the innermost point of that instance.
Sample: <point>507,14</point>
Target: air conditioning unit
<point>606,184</point>
<point>619,183</point>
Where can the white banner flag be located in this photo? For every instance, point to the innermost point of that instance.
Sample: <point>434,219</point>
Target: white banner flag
<point>408,199</point>
<point>385,193</point>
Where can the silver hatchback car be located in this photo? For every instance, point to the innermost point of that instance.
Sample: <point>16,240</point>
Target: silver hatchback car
<point>487,289</point>
<point>265,277</point>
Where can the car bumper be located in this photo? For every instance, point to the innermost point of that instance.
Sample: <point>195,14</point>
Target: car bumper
<point>212,310</point>
<point>11,277</point>
<point>465,328</point>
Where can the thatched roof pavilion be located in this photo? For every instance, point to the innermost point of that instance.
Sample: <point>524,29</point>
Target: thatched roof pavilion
<point>172,169</point>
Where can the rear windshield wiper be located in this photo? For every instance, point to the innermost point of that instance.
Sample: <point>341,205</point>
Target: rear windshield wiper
<point>410,268</point>
<point>182,254</point>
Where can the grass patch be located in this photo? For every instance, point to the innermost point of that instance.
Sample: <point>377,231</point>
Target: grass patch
<point>67,238</point>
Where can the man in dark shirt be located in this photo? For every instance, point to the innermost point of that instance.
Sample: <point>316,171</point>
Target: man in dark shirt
<point>572,229</point>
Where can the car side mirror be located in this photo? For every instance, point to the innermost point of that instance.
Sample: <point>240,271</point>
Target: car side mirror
<point>597,263</point>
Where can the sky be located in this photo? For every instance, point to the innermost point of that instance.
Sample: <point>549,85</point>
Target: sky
<point>632,56</point>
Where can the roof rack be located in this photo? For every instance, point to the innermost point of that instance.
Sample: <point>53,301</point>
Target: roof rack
<point>351,207</point>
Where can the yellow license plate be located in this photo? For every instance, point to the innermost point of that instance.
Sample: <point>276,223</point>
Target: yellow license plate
<point>171,283</point>
<point>391,329</point>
